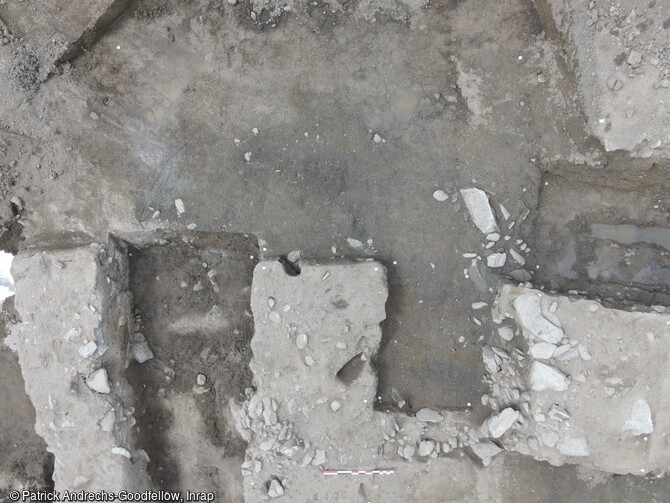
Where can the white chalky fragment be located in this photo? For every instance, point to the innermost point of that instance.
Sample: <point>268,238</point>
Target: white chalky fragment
<point>88,349</point>
<point>97,381</point>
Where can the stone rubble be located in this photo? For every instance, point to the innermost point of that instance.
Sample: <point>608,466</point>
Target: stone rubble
<point>583,372</point>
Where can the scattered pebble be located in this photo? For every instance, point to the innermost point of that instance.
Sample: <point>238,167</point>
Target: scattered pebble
<point>301,341</point>
<point>275,489</point>
<point>496,260</point>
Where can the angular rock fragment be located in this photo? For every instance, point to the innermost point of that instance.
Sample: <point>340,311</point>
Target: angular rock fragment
<point>477,203</point>
<point>141,351</point>
<point>496,260</point>
<point>275,489</point>
<point>426,447</point>
<point>490,361</point>
<point>542,350</point>
<point>486,450</point>
<point>98,382</point>
<point>529,314</point>
<point>87,350</point>
<point>639,421</point>
<point>558,413</point>
<point>499,423</point>
<point>546,377</point>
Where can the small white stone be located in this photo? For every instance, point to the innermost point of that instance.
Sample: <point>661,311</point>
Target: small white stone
<point>490,361</point>
<point>107,421</point>
<point>499,423</point>
<point>428,416</point>
<point>494,236</point>
<point>201,379</point>
<point>506,333</point>
<point>558,414</point>
<point>634,58</point>
<point>319,458</point>
<point>301,341</point>
<point>584,353</point>
<point>529,315</point>
<point>88,349</point>
<point>440,195</point>
<point>545,377</point>
<point>275,317</point>
<point>639,420</point>
<point>179,205</point>
<point>479,305</point>
<point>141,351</point>
<point>376,138</point>
<point>276,489</point>
<point>97,381</point>
<point>518,258</point>
<point>335,405</point>
<point>542,350</point>
<point>341,345</point>
<point>247,156</point>
<point>408,451</point>
<point>426,447</point>
<point>496,260</point>
<point>121,452</point>
<point>309,361</point>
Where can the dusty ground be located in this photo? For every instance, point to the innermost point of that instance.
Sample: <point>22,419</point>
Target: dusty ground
<point>163,105</point>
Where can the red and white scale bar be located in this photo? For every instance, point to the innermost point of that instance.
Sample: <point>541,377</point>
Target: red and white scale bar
<point>374,471</point>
